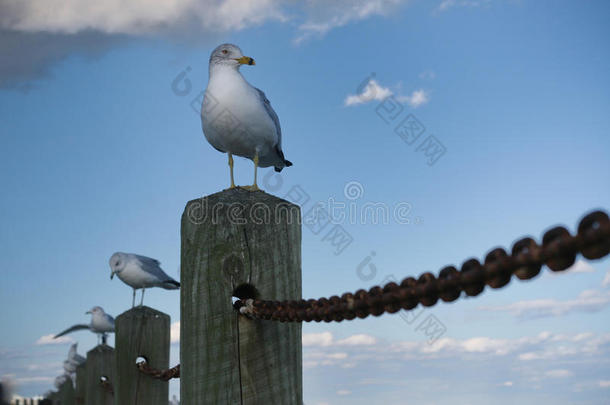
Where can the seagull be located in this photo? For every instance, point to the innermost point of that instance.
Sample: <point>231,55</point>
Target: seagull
<point>60,380</point>
<point>140,272</point>
<point>237,118</point>
<point>74,360</point>
<point>101,323</point>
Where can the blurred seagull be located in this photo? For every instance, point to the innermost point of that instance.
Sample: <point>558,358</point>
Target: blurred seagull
<point>237,118</point>
<point>101,323</point>
<point>60,380</point>
<point>74,360</point>
<point>140,272</point>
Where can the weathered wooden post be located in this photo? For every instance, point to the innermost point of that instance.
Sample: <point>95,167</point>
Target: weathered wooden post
<point>66,393</point>
<point>145,332</point>
<point>81,385</point>
<point>250,242</point>
<point>53,397</point>
<point>100,376</point>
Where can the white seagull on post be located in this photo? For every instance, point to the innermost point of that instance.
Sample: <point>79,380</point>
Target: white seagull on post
<point>237,118</point>
<point>140,272</point>
<point>101,324</point>
<point>74,360</point>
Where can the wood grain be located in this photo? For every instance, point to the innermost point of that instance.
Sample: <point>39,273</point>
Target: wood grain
<point>231,239</point>
<point>141,331</point>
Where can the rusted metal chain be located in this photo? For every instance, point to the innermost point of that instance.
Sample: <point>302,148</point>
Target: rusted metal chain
<point>558,251</point>
<point>107,386</point>
<point>164,375</point>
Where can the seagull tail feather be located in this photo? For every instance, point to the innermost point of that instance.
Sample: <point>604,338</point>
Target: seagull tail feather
<point>171,285</point>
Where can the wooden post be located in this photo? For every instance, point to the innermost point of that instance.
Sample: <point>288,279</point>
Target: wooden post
<point>100,364</point>
<point>231,240</point>
<point>53,397</point>
<point>141,331</point>
<point>66,393</point>
<point>81,385</point>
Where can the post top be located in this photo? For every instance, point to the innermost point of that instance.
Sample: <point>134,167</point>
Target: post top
<point>103,348</point>
<point>241,195</point>
<point>240,207</point>
<point>142,311</point>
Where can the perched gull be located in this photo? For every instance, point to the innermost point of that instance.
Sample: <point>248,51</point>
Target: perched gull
<point>140,272</point>
<point>74,360</point>
<point>101,323</point>
<point>60,380</point>
<point>237,118</point>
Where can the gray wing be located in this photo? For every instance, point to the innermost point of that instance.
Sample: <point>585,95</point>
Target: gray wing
<point>110,319</point>
<point>272,115</point>
<point>72,351</point>
<point>153,267</point>
<point>72,329</point>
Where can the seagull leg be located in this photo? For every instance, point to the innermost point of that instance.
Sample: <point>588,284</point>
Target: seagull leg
<point>254,187</point>
<point>133,298</point>
<point>231,166</point>
<point>142,300</point>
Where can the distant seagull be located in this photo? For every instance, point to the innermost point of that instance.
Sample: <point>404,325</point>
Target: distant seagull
<point>101,323</point>
<point>237,118</point>
<point>140,272</point>
<point>60,380</point>
<point>74,360</point>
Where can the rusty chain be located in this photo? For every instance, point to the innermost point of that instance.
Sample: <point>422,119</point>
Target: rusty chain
<point>558,251</point>
<point>107,386</point>
<point>164,375</point>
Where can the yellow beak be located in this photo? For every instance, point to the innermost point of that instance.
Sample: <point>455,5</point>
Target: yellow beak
<point>245,60</point>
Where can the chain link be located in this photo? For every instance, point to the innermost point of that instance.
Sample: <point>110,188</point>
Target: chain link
<point>107,386</point>
<point>164,375</point>
<point>558,251</point>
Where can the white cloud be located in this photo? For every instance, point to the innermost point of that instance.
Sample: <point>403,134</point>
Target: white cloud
<point>416,99</point>
<point>41,379</point>
<point>604,384</point>
<point>317,339</point>
<point>481,345</point>
<point>580,266</point>
<point>326,339</point>
<point>144,17</point>
<point>587,301</point>
<point>500,356</point>
<point>344,392</point>
<point>48,340</point>
<point>606,281</point>
<point>559,373</point>
<point>326,15</point>
<point>358,340</point>
<point>337,356</point>
<point>136,17</point>
<point>427,75</point>
<point>372,91</point>
<point>446,5</point>
<point>174,332</point>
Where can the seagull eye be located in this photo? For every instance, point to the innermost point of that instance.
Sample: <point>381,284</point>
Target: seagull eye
<point>225,51</point>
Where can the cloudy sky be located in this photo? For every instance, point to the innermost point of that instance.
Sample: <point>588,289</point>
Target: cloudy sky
<point>466,123</point>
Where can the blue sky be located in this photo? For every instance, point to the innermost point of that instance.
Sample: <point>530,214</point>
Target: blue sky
<point>100,149</point>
